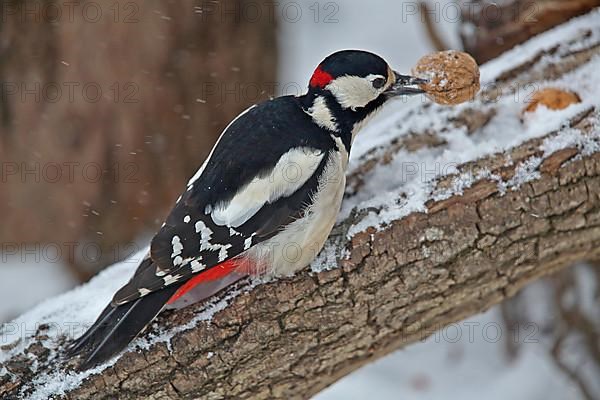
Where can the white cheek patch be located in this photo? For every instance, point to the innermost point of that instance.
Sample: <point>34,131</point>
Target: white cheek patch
<point>353,91</point>
<point>292,171</point>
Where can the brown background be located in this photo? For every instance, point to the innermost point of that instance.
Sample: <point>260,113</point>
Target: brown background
<point>81,169</point>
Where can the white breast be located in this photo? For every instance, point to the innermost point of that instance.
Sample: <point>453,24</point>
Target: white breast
<point>296,246</point>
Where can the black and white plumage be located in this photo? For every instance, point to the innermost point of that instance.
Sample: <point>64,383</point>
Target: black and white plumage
<point>263,202</point>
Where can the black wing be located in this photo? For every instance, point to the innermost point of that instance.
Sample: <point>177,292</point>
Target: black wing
<point>249,149</point>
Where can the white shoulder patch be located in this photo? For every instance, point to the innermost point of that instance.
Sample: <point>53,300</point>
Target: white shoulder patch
<point>292,170</point>
<point>198,173</point>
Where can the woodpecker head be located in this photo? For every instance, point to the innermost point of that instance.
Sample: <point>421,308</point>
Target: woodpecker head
<point>356,78</point>
<point>350,85</point>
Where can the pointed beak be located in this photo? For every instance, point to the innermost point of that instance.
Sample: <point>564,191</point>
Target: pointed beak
<point>405,85</point>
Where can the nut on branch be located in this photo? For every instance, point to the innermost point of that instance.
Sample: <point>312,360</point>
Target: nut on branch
<point>453,76</point>
<point>552,98</point>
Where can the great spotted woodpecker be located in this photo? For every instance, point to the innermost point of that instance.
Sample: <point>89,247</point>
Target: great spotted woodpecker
<point>263,202</point>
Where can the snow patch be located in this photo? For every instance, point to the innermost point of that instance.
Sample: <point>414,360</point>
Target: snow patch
<point>408,181</point>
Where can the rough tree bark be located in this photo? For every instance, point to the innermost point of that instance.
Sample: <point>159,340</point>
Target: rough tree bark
<point>489,28</point>
<point>293,337</point>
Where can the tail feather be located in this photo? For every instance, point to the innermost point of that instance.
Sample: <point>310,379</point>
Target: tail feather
<point>85,341</point>
<point>117,326</point>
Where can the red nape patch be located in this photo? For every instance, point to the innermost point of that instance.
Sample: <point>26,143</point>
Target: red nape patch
<point>215,273</point>
<point>320,78</point>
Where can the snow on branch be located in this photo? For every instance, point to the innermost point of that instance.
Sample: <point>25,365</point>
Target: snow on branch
<point>448,211</point>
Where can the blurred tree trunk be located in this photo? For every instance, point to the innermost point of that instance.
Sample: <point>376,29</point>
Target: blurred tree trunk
<point>489,28</point>
<point>107,109</point>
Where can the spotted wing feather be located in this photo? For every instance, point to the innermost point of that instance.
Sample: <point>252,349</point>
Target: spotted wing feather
<point>191,241</point>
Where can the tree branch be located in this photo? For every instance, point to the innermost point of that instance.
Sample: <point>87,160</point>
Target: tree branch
<point>293,337</point>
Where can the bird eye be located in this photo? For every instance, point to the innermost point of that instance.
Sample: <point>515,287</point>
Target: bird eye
<point>378,83</point>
